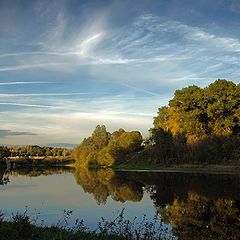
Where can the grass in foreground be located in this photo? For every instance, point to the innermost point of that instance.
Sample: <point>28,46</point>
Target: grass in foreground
<point>21,227</point>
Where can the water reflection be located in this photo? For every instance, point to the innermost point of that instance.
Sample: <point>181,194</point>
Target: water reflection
<point>198,217</point>
<point>105,182</point>
<point>198,206</point>
<point>5,174</point>
<point>33,172</point>
<point>4,177</point>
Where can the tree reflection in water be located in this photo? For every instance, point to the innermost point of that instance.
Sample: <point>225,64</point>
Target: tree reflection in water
<point>105,182</point>
<point>4,177</point>
<point>198,217</point>
<point>198,206</point>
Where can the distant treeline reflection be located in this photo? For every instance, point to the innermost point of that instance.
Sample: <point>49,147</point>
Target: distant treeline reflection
<point>5,175</point>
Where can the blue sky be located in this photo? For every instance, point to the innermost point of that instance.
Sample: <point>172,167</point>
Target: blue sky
<point>66,66</point>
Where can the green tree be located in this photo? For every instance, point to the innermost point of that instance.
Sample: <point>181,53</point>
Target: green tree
<point>163,141</point>
<point>87,151</point>
<point>106,149</point>
<point>208,121</point>
<point>223,104</point>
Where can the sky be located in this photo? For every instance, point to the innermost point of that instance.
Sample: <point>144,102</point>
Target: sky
<point>69,65</point>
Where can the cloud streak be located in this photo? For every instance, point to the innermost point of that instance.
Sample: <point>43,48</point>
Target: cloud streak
<point>30,66</point>
<point>6,133</point>
<point>20,83</point>
<point>40,94</point>
<point>27,105</point>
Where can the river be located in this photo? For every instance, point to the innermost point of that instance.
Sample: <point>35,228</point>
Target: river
<point>190,205</point>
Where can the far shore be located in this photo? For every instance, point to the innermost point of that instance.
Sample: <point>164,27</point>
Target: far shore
<point>181,168</point>
<point>28,162</point>
<point>129,167</point>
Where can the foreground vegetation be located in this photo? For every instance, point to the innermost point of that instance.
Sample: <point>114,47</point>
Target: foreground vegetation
<point>20,227</point>
<point>199,126</point>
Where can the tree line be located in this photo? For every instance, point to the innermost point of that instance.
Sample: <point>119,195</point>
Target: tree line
<point>198,126</point>
<point>34,150</point>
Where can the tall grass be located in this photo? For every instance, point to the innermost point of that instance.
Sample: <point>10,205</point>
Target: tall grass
<point>22,227</point>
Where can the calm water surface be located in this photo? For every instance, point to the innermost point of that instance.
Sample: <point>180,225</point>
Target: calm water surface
<point>203,206</point>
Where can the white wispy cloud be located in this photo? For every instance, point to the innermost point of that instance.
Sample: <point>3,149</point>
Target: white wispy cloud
<point>139,89</point>
<point>30,66</point>
<point>20,83</point>
<point>149,40</point>
<point>83,48</point>
<point>120,106</point>
<point>27,105</point>
<point>189,32</point>
<point>40,94</point>
<point>35,53</point>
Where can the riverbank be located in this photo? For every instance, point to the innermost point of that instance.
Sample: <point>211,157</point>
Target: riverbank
<point>179,168</point>
<point>22,162</point>
<point>134,167</point>
<point>23,230</point>
<point>21,227</point>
